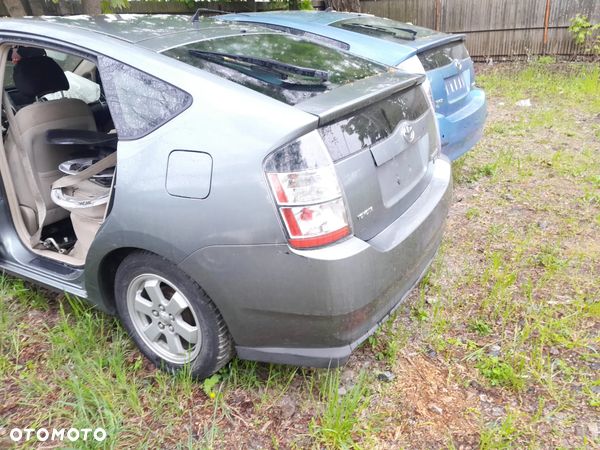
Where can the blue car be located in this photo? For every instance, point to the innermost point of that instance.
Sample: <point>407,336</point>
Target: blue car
<point>460,106</point>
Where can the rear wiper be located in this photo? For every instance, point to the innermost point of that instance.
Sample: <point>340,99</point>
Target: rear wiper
<point>270,65</point>
<point>387,30</point>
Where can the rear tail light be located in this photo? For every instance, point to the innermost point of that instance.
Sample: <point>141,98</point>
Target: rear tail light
<point>307,193</point>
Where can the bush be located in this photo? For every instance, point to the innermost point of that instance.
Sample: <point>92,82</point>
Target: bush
<point>586,33</point>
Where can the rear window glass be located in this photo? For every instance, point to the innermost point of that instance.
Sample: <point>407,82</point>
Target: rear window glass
<point>308,35</point>
<point>373,124</point>
<point>379,27</point>
<point>443,55</point>
<point>281,82</point>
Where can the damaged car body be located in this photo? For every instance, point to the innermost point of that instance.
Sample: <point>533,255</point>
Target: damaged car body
<point>224,189</point>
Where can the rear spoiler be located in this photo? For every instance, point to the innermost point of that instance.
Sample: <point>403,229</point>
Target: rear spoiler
<point>422,45</point>
<point>350,97</point>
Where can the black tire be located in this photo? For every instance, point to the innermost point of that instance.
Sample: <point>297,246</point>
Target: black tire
<point>215,342</point>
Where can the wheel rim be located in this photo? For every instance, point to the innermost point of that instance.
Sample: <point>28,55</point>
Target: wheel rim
<point>164,318</point>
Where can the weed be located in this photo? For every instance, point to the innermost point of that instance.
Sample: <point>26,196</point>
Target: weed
<point>500,436</point>
<point>480,327</point>
<point>545,60</point>
<point>500,373</point>
<point>472,213</point>
<point>209,384</point>
<point>341,418</point>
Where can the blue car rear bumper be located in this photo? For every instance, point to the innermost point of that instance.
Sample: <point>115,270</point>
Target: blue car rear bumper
<point>461,130</point>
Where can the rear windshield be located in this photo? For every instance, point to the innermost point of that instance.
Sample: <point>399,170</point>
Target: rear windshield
<point>388,29</point>
<point>443,55</point>
<point>372,124</point>
<point>282,83</point>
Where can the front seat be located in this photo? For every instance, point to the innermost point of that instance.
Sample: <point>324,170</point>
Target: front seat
<point>34,162</point>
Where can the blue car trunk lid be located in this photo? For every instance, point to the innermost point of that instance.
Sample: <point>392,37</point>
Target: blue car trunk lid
<point>450,71</point>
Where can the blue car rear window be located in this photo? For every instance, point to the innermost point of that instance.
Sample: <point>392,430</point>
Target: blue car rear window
<point>291,88</point>
<point>381,28</point>
<point>443,55</point>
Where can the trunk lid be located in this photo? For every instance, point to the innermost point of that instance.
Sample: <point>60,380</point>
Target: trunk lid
<point>450,71</point>
<point>382,136</point>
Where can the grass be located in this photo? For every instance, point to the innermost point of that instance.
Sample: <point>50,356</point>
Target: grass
<point>498,347</point>
<point>568,85</point>
<point>341,419</point>
<point>500,373</point>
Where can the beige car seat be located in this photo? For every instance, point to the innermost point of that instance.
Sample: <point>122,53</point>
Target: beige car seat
<point>86,198</point>
<point>33,161</point>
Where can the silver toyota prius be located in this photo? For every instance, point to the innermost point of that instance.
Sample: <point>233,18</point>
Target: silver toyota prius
<point>224,189</point>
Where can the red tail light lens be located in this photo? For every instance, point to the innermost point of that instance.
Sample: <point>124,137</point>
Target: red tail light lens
<point>307,193</point>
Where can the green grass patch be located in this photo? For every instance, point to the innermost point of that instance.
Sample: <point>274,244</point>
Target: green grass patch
<point>575,85</point>
<point>500,373</point>
<point>340,423</point>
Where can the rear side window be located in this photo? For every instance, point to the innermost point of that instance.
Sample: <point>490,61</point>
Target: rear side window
<point>282,66</point>
<point>139,103</point>
<point>443,55</point>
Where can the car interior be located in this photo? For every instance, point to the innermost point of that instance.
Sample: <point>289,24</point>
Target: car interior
<point>59,150</point>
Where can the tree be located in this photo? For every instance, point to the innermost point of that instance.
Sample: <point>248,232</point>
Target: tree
<point>20,8</point>
<point>586,34</point>
<point>15,8</point>
<point>343,5</point>
<point>91,7</point>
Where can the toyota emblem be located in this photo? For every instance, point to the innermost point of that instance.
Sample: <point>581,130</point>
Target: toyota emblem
<point>408,132</point>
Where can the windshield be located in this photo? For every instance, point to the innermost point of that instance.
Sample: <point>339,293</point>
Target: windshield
<point>384,28</point>
<point>232,57</point>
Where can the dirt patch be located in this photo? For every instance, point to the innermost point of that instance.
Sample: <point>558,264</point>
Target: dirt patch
<point>432,408</point>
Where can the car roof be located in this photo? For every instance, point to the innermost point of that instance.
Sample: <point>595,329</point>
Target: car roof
<point>154,32</point>
<point>391,53</point>
<point>320,17</point>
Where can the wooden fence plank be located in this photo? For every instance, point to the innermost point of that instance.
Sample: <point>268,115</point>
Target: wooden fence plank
<point>496,28</point>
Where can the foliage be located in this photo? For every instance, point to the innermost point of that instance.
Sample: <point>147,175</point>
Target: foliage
<point>500,373</point>
<point>306,5</point>
<point>341,419</point>
<point>586,33</point>
<point>209,384</point>
<point>109,6</point>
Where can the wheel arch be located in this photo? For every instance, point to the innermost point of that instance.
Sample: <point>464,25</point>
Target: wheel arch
<point>104,293</point>
<point>107,271</point>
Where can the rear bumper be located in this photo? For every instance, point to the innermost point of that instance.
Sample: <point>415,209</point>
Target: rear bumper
<point>461,130</point>
<point>314,307</point>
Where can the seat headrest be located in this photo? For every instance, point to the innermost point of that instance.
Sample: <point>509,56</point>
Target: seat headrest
<point>27,52</point>
<point>38,76</point>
